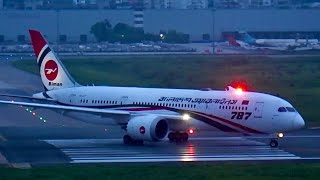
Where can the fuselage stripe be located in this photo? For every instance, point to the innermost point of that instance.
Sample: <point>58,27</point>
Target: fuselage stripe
<point>250,130</point>
<point>181,111</point>
<point>203,115</point>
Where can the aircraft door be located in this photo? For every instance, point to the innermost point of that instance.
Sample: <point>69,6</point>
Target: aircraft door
<point>258,108</point>
<point>209,108</point>
<point>72,98</point>
<point>124,100</point>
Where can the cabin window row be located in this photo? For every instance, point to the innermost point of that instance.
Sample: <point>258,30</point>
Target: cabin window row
<point>233,107</point>
<point>98,101</point>
<point>166,104</point>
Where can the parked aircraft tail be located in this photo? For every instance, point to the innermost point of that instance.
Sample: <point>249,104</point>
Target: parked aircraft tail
<point>233,42</point>
<point>245,37</point>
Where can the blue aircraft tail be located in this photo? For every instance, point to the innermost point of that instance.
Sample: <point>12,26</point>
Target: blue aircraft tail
<point>245,37</point>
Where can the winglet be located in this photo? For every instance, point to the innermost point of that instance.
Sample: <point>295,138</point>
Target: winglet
<point>38,41</point>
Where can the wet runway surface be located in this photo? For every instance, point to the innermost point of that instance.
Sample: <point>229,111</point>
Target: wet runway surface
<point>25,138</point>
<point>199,149</point>
<point>78,145</point>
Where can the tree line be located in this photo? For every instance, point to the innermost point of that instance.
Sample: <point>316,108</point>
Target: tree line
<point>124,33</point>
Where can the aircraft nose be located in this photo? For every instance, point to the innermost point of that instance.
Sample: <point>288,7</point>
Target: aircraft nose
<point>298,122</point>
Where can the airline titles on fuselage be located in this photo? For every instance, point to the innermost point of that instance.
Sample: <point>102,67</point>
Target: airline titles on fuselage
<point>198,100</point>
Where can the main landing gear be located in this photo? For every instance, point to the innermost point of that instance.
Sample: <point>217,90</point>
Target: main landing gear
<point>178,136</point>
<point>273,141</point>
<point>129,141</point>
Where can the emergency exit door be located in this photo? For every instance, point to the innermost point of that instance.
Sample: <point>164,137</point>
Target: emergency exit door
<point>258,108</point>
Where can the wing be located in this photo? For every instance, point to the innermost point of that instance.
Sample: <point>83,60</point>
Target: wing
<point>27,97</point>
<point>96,111</point>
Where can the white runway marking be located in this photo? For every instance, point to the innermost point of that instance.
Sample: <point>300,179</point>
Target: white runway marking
<point>197,149</point>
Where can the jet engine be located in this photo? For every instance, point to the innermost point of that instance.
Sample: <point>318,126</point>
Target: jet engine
<point>148,128</point>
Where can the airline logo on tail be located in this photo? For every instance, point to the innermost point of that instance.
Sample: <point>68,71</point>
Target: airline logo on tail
<point>53,74</point>
<point>51,70</point>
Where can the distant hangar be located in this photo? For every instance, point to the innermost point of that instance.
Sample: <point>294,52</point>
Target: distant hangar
<point>72,24</point>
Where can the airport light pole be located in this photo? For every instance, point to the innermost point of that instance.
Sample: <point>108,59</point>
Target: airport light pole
<point>213,26</point>
<point>58,30</point>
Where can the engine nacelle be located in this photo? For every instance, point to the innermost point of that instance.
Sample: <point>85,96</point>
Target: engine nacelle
<point>148,128</point>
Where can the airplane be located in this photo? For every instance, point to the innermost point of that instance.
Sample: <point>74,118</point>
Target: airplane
<point>233,46</point>
<point>277,44</point>
<point>154,114</point>
<point>239,44</point>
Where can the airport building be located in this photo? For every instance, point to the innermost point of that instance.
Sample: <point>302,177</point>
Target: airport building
<point>73,24</point>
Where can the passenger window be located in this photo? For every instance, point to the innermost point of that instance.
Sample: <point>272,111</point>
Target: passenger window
<point>282,109</point>
<point>290,109</point>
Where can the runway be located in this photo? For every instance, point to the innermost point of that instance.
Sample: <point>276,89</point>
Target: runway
<point>91,147</point>
<point>199,149</point>
<point>28,140</point>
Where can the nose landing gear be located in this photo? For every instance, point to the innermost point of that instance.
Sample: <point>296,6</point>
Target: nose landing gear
<point>273,141</point>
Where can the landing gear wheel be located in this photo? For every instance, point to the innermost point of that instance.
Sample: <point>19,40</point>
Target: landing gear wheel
<point>127,139</point>
<point>178,137</point>
<point>273,143</point>
<point>171,137</point>
<point>185,137</point>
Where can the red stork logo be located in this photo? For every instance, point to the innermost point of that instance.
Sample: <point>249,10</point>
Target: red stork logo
<point>142,130</point>
<point>51,70</point>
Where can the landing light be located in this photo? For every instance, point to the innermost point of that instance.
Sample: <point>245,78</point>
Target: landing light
<point>280,135</point>
<point>186,117</point>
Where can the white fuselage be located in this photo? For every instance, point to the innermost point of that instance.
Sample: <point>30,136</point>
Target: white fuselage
<point>242,112</point>
<point>286,42</point>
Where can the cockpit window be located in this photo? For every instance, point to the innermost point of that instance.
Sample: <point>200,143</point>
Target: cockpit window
<point>290,109</point>
<point>282,109</point>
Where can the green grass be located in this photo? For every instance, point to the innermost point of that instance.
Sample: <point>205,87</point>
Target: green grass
<point>239,171</point>
<point>296,79</point>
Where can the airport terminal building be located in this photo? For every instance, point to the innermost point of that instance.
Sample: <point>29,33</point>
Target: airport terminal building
<point>72,24</point>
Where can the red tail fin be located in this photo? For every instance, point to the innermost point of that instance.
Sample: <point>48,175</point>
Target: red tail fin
<point>38,41</point>
<point>232,41</point>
